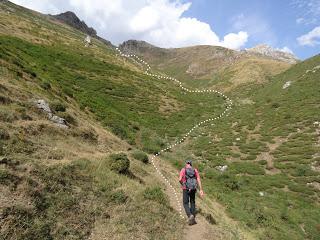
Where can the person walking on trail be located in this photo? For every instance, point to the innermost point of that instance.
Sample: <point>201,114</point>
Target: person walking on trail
<point>190,181</point>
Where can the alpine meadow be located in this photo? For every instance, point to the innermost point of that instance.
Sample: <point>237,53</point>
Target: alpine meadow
<point>93,136</point>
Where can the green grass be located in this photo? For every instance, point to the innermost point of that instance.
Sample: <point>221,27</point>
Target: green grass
<point>123,100</point>
<point>127,102</point>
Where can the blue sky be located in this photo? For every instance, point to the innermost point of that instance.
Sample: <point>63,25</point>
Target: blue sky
<point>289,25</point>
<point>282,20</point>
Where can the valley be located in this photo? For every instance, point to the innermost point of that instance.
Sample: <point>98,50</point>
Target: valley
<point>131,116</point>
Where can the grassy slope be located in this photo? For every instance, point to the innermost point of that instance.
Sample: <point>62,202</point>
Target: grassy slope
<point>56,183</point>
<point>99,83</point>
<point>270,145</point>
<point>211,66</point>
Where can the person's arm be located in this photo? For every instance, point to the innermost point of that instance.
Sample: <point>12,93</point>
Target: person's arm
<point>181,176</point>
<point>199,183</point>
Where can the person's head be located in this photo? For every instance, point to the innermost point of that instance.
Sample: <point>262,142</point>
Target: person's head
<point>189,161</point>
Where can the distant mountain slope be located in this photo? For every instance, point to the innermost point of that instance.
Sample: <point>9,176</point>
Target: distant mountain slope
<point>203,66</point>
<point>265,50</point>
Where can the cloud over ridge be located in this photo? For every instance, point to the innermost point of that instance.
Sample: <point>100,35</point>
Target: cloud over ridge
<point>160,22</point>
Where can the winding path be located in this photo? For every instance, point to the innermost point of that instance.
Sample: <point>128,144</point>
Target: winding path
<point>148,72</point>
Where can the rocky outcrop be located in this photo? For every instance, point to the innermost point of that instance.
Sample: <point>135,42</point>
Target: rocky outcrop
<point>137,47</point>
<point>277,54</point>
<point>72,20</point>
<point>44,106</point>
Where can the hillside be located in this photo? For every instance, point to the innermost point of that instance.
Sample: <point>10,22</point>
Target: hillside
<point>80,127</point>
<point>76,125</point>
<point>270,146</point>
<point>210,66</point>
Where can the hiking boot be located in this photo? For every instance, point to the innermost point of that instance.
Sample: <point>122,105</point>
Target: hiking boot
<point>192,220</point>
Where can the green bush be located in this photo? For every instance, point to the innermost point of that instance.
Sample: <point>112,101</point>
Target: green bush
<point>119,197</point>
<point>69,118</point>
<point>45,85</point>
<point>119,163</point>
<point>155,194</point>
<point>57,106</point>
<point>88,134</point>
<point>141,156</point>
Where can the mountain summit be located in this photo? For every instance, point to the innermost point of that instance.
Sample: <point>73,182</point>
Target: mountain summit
<point>266,50</point>
<point>71,19</point>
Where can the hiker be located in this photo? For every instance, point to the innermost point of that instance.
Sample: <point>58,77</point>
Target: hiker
<point>190,180</point>
<point>87,41</point>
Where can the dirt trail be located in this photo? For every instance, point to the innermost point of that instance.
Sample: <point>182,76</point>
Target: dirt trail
<point>225,229</point>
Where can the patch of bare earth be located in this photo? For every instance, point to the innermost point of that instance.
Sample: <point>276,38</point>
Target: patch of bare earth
<point>270,169</point>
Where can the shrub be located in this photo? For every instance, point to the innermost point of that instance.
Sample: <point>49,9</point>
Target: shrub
<point>119,163</point>
<point>5,100</point>
<point>141,156</point>
<point>57,106</point>
<point>275,105</point>
<point>119,197</point>
<point>45,85</point>
<point>89,134</point>
<point>69,118</point>
<point>4,135</point>
<point>155,194</point>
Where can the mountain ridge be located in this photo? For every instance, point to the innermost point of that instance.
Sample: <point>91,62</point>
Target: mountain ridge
<point>206,65</point>
<point>71,19</point>
<point>274,53</point>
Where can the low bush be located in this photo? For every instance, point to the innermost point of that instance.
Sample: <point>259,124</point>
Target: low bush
<point>155,194</point>
<point>57,106</point>
<point>4,135</point>
<point>119,197</point>
<point>141,156</point>
<point>5,100</point>
<point>89,134</point>
<point>45,85</point>
<point>119,163</point>
<point>69,118</point>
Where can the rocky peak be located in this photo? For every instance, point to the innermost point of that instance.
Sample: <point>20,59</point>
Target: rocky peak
<point>274,53</point>
<point>72,20</point>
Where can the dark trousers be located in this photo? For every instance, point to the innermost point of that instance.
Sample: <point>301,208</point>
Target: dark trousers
<point>189,202</point>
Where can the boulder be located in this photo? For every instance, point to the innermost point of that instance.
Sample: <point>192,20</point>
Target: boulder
<point>44,106</point>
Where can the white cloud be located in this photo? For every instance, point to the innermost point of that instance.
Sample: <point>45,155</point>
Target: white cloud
<point>308,11</point>
<point>312,38</point>
<point>258,28</point>
<point>286,50</point>
<point>160,22</point>
<point>235,41</point>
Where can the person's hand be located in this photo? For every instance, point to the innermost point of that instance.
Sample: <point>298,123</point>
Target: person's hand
<point>201,193</point>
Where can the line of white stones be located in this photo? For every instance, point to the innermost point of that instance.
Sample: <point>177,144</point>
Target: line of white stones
<point>135,58</point>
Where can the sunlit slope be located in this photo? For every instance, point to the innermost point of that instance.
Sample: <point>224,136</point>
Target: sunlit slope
<point>208,66</point>
<point>271,146</point>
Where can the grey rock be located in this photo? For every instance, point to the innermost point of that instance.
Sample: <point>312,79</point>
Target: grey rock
<point>274,53</point>
<point>72,20</point>
<point>44,106</point>
<point>286,85</point>
<point>58,120</point>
